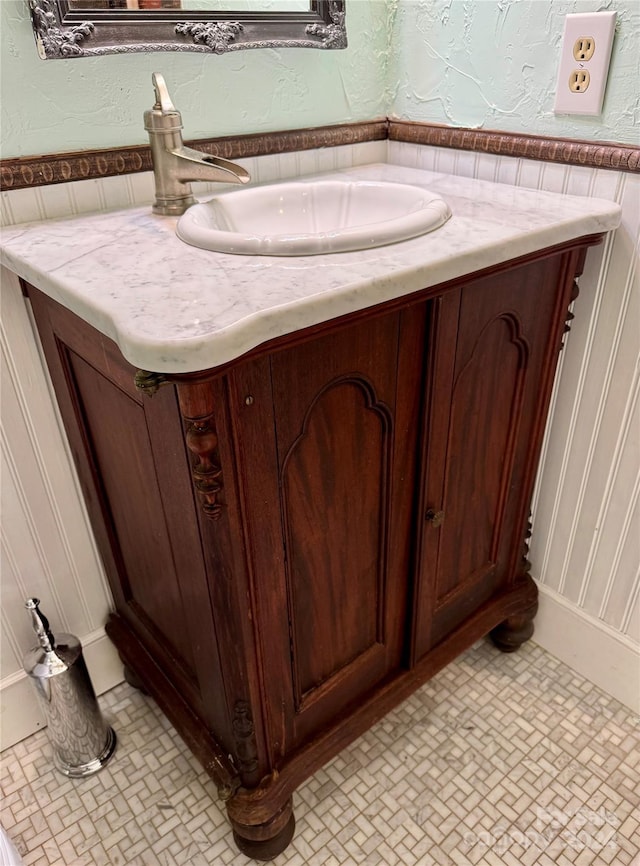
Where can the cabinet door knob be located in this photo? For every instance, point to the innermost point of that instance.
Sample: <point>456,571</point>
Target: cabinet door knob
<point>435,518</point>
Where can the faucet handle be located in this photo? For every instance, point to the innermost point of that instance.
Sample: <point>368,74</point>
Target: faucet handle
<point>163,100</point>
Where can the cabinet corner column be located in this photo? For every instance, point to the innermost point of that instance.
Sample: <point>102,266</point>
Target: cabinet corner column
<point>261,816</point>
<point>197,409</point>
<point>517,628</point>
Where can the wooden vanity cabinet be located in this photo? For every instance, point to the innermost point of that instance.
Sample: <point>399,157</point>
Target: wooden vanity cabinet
<point>297,540</point>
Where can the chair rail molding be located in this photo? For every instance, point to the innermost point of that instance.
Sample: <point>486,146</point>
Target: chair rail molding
<point>40,170</point>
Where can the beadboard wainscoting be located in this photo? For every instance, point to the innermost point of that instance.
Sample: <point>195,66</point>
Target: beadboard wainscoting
<point>585,546</point>
<point>47,544</point>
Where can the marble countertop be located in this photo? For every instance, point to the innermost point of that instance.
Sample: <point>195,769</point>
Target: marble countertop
<point>172,308</point>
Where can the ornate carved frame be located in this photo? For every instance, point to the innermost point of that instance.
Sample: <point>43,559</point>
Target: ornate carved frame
<point>62,32</point>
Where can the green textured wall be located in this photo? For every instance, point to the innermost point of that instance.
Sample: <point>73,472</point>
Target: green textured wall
<point>83,103</point>
<point>492,64</point>
<point>476,63</point>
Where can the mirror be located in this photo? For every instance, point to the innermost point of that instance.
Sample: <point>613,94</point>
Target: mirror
<point>90,28</point>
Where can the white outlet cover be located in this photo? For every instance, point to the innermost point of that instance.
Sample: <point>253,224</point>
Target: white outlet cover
<point>600,26</point>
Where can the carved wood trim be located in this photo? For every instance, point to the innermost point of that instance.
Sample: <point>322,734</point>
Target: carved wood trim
<point>244,738</point>
<point>29,171</point>
<point>510,634</point>
<point>525,564</point>
<point>575,291</point>
<point>207,473</point>
<point>592,154</point>
<point>197,409</point>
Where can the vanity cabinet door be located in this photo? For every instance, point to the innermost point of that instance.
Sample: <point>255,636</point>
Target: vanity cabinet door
<point>329,499</point>
<point>493,349</point>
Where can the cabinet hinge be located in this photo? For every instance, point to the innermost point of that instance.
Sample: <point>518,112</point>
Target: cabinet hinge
<point>148,382</point>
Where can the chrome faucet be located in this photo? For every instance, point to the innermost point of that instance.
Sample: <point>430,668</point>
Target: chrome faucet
<point>174,165</point>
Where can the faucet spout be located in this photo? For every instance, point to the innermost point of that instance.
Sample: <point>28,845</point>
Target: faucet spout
<point>176,166</point>
<point>196,165</point>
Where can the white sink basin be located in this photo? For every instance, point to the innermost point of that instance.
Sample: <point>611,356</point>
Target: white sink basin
<point>300,218</point>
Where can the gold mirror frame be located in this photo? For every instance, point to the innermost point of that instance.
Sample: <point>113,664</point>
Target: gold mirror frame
<point>62,32</point>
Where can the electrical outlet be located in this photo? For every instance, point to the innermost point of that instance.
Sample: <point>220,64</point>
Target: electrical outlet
<point>579,80</point>
<point>584,47</point>
<point>584,62</point>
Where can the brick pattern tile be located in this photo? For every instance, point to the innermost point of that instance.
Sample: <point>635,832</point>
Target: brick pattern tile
<point>500,759</point>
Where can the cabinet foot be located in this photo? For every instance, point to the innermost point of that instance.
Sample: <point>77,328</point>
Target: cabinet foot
<point>266,841</point>
<point>515,630</point>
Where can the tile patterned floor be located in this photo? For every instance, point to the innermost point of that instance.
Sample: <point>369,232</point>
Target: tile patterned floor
<point>500,759</point>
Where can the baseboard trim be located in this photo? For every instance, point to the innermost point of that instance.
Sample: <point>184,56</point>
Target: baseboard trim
<point>20,712</point>
<point>589,646</point>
